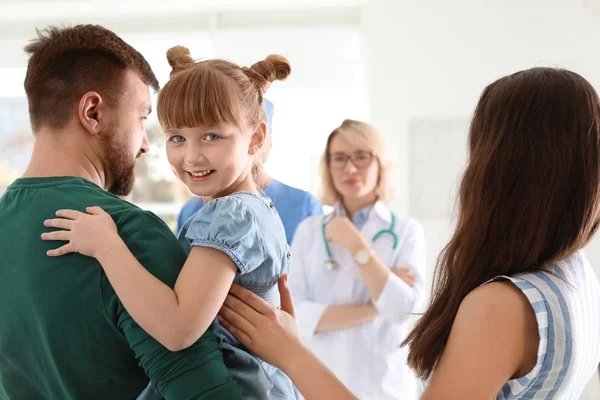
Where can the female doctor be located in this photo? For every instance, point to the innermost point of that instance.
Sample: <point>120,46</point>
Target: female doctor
<point>355,272</point>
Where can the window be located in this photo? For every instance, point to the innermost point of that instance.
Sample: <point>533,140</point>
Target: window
<point>326,87</point>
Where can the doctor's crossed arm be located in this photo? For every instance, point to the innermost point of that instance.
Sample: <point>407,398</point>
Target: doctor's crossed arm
<point>405,273</point>
<point>318,317</point>
<point>375,274</point>
<point>342,231</point>
<point>395,292</point>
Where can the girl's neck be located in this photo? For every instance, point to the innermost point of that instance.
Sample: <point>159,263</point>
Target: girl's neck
<point>263,179</point>
<point>355,204</point>
<point>244,184</point>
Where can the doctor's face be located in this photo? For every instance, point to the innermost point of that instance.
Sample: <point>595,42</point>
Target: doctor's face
<point>354,170</point>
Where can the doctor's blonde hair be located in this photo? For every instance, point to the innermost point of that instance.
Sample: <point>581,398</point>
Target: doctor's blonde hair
<point>368,138</point>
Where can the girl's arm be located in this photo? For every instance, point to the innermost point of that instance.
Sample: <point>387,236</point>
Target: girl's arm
<point>175,318</point>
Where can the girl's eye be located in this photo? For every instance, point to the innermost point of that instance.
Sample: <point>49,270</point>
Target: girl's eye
<point>211,136</point>
<point>176,139</point>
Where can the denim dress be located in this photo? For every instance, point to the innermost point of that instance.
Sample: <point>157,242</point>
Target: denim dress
<point>247,228</point>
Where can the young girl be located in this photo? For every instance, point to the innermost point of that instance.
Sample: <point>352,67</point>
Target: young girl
<point>214,121</point>
<point>514,312</point>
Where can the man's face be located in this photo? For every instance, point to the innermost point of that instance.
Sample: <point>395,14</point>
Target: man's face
<point>126,140</point>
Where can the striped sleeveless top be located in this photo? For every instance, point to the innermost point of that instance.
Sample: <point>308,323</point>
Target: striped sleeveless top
<point>567,309</point>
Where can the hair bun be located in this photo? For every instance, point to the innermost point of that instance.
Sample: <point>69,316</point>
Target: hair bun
<point>273,68</point>
<point>278,67</point>
<point>179,58</point>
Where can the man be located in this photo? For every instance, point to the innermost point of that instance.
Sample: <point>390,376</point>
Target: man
<point>293,205</point>
<point>64,333</point>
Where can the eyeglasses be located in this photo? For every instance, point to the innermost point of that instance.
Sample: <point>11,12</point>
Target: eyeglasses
<point>360,159</point>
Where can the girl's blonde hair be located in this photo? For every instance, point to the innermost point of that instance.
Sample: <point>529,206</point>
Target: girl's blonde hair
<point>367,138</point>
<point>214,92</point>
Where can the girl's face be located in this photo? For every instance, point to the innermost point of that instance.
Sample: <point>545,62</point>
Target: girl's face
<point>211,160</point>
<point>354,170</point>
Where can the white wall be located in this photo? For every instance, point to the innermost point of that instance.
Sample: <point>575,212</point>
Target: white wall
<point>427,64</point>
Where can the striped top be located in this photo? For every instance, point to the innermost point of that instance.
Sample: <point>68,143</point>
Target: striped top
<point>567,309</point>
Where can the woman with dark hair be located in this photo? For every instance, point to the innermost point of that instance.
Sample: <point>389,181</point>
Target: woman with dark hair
<point>514,311</point>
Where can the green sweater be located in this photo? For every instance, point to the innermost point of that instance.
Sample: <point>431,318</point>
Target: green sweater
<point>64,334</point>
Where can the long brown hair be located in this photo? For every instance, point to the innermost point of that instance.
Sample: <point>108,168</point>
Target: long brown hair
<point>528,196</point>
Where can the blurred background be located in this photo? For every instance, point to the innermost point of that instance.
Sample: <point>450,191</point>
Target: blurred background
<point>412,69</point>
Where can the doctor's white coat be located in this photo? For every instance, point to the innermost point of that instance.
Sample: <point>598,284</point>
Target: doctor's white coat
<point>366,358</point>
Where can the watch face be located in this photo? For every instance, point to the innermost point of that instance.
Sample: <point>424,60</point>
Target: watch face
<point>362,257</point>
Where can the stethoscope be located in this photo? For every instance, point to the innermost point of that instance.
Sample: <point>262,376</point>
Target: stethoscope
<point>330,265</point>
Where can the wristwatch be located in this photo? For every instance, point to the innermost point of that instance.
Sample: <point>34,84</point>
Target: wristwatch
<point>363,256</point>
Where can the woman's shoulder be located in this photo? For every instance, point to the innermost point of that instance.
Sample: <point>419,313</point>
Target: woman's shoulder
<point>499,296</point>
<point>498,308</point>
<point>500,318</point>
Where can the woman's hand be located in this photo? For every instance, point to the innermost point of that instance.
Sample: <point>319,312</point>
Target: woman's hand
<point>90,234</point>
<point>262,328</point>
<point>343,232</point>
<point>273,335</point>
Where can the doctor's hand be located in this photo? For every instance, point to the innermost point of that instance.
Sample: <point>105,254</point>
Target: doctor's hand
<point>271,334</point>
<point>343,232</point>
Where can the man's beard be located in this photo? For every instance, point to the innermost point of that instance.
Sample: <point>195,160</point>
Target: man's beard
<point>120,166</point>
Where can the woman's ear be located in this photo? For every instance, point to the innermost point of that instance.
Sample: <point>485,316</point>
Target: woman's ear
<point>258,138</point>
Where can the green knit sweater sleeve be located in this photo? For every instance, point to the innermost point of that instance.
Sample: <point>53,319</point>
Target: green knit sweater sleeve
<point>197,372</point>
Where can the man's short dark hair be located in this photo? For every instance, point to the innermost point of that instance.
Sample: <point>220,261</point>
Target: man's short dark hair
<point>65,63</point>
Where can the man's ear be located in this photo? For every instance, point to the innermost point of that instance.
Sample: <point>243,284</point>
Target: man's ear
<point>258,139</point>
<point>89,112</point>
